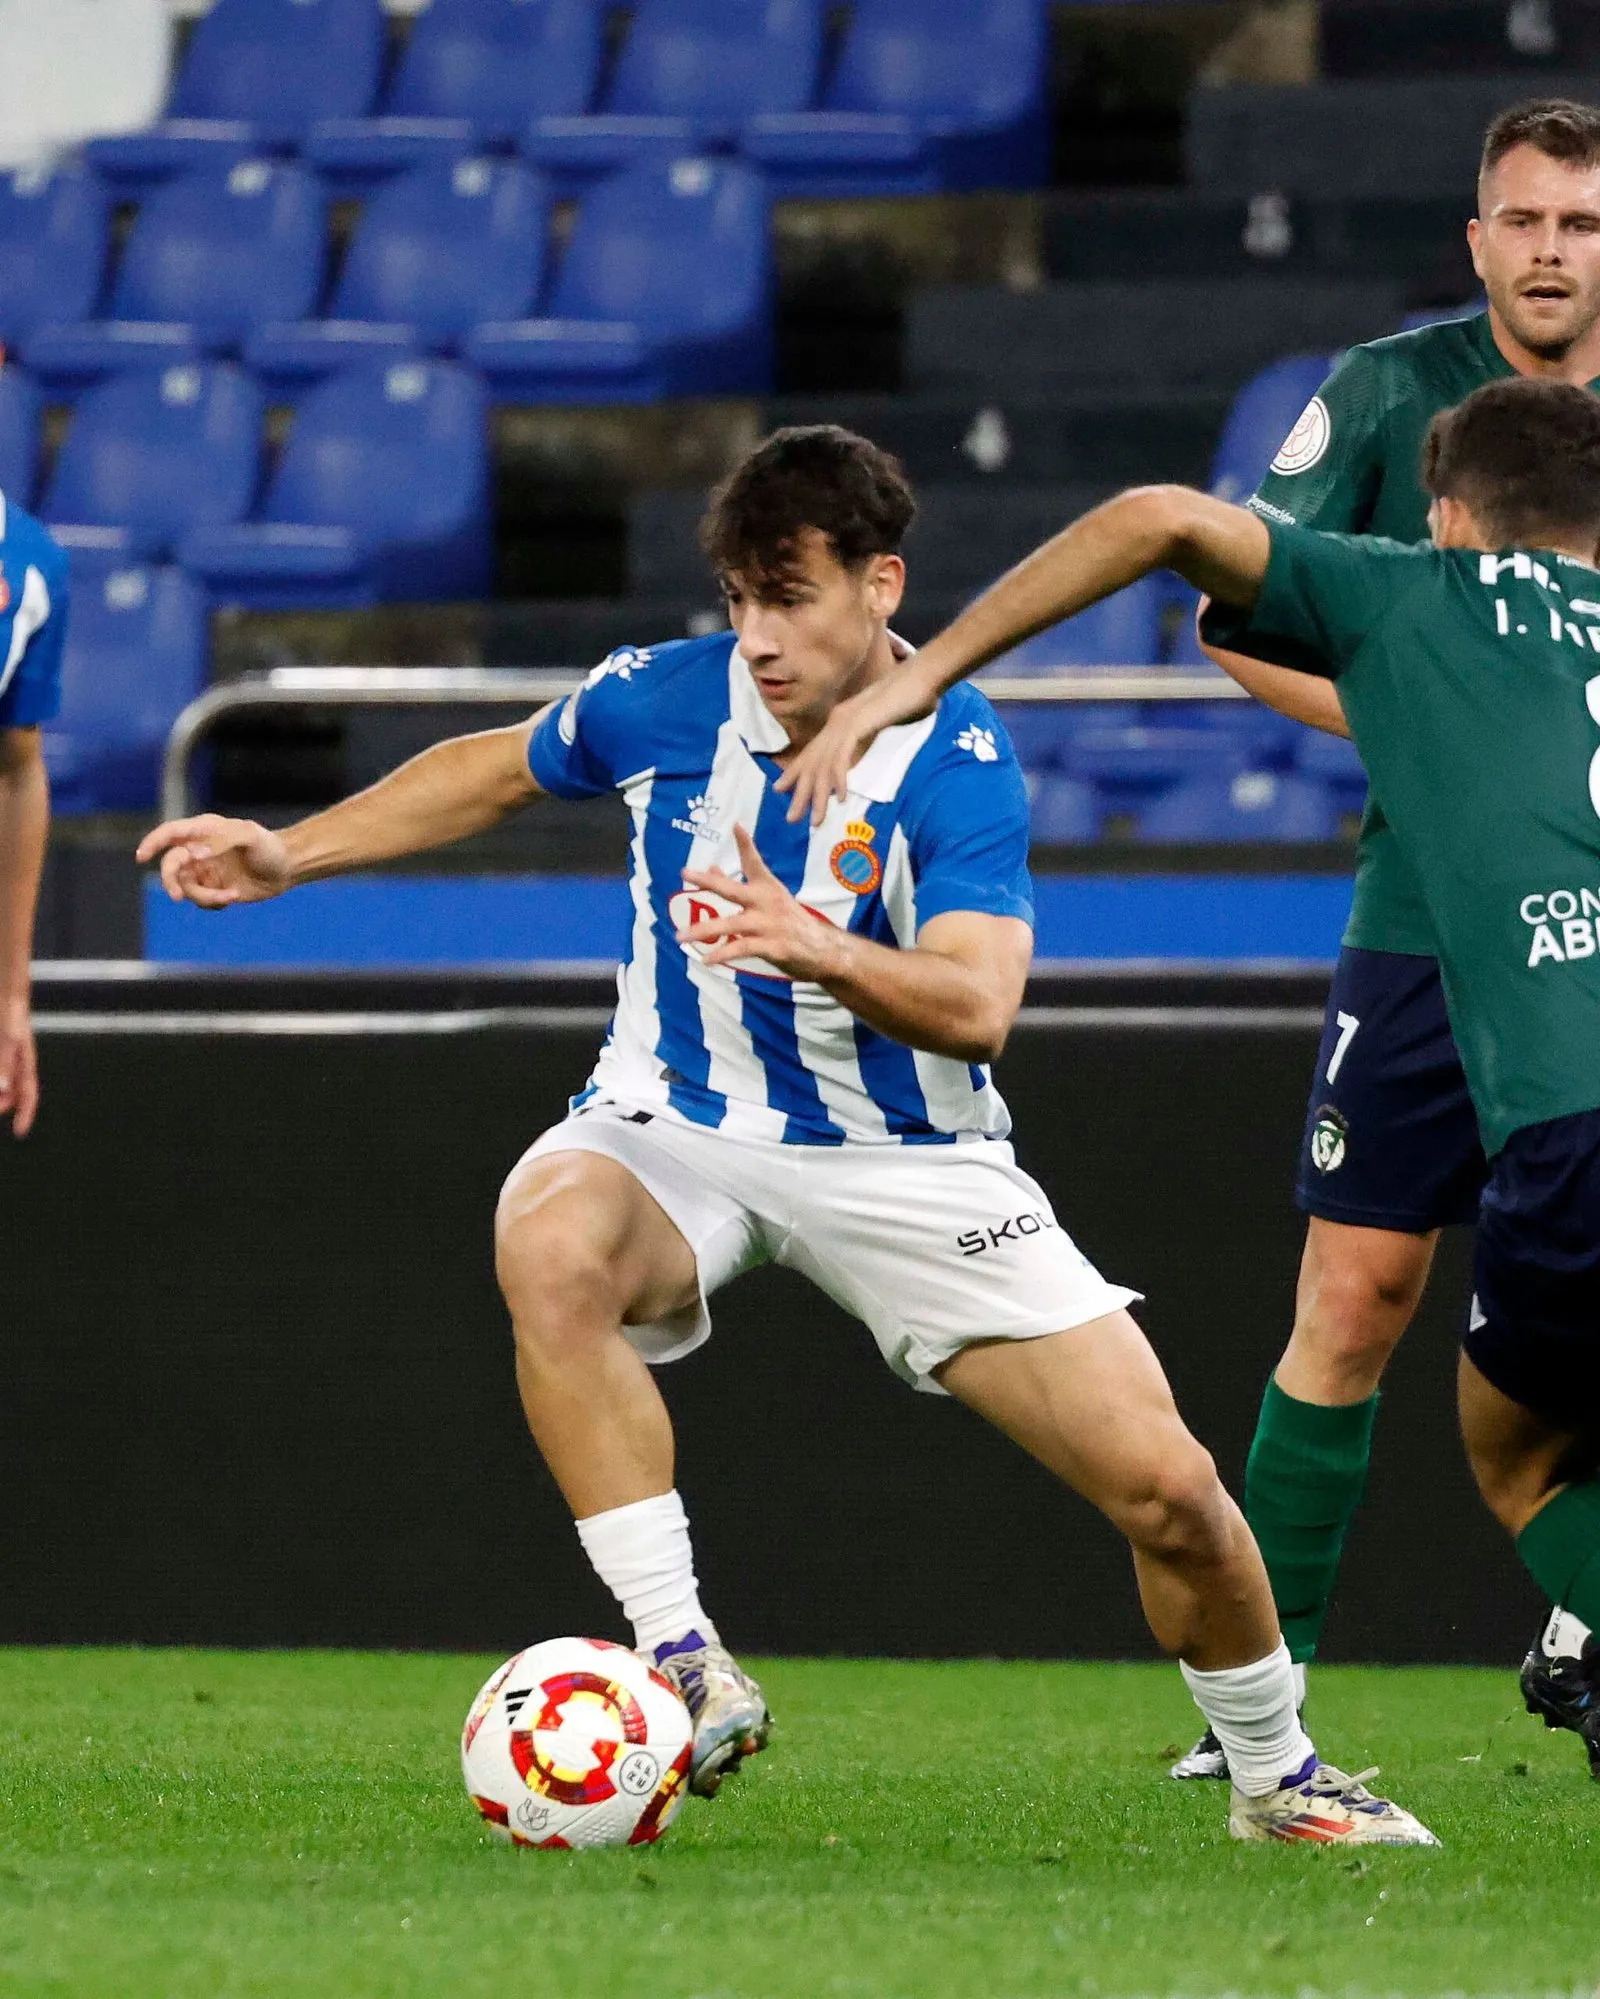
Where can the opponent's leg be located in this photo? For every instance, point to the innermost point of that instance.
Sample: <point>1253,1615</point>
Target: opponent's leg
<point>1093,1406</point>
<point>582,1249</point>
<point>1539,1480</point>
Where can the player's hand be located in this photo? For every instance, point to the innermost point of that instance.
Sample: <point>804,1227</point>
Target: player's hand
<point>821,771</point>
<point>214,862</point>
<point>19,1066</point>
<point>767,922</point>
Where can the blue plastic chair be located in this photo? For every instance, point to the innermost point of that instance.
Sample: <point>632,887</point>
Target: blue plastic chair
<point>212,256</point>
<point>473,73</point>
<point>1252,805</point>
<point>439,249</point>
<point>923,99</point>
<point>665,290</point>
<point>1333,759</point>
<point>135,657</point>
<point>52,249</point>
<point>257,76</point>
<point>382,495</point>
<point>690,74</point>
<point>19,434</point>
<point>1263,415</point>
<point>152,455</point>
<point>1129,761</point>
<point>1124,630</point>
<point>1065,813</point>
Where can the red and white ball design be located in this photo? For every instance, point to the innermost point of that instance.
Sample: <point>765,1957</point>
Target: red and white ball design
<point>577,1742</point>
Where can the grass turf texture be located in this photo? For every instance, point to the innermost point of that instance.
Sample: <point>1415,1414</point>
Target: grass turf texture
<point>222,1824</point>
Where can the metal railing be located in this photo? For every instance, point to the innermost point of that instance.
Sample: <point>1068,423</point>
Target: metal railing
<point>508,687</point>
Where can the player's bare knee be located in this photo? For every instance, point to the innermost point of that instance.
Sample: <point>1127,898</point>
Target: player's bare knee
<point>556,1271</point>
<point>1178,1512</point>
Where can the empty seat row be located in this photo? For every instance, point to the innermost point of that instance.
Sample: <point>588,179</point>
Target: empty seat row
<point>1249,806</point>
<point>664,287</point>
<point>915,98</point>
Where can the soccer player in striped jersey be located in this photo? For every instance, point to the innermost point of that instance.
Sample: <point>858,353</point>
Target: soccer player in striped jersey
<point>33,618</point>
<point>798,1072</point>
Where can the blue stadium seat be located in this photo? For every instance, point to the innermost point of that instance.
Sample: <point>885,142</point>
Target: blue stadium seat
<point>1124,630</point>
<point>665,290</point>
<point>212,255</point>
<point>1335,760</point>
<point>1264,412</point>
<point>1130,760</point>
<point>691,73</point>
<point>1252,805</point>
<point>257,76</point>
<point>154,454</point>
<point>52,249</point>
<point>19,434</point>
<point>473,73</point>
<point>439,249</point>
<point>1065,813</point>
<point>1042,732</point>
<point>382,495</point>
<point>1441,315</point>
<point>135,658</point>
<point>923,99</point>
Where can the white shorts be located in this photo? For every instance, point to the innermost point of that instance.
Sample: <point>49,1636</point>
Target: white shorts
<point>933,1247</point>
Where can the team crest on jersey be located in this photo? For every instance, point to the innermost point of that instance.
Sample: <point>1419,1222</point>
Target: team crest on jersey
<point>1307,442</point>
<point>1329,1136</point>
<point>855,866</point>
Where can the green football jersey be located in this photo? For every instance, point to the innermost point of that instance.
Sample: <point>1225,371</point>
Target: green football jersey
<point>1353,465</point>
<point>1472,686</point>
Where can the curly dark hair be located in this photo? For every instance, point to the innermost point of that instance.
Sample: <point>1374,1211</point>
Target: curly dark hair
<point>1558,127</point>
<point>817,476</point>
<point>1524,455</point>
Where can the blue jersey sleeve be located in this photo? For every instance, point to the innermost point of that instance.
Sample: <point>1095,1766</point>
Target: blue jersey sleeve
<point>968,827</point>
<point>589,743</point>
<point>34,634</point>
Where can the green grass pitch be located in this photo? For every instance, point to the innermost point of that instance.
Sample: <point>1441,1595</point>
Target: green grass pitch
<point>206,1825</point>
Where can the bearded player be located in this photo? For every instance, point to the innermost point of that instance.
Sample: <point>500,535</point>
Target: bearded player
<point>1391,1153</point>
<point>798,1072</point>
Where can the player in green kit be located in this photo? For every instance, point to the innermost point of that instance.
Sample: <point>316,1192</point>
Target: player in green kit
<point>1470,674</point>
<point>1390,1153</point>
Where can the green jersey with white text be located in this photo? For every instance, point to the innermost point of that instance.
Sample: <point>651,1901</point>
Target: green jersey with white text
<point>1472,687</point>
<point>1353,465</point>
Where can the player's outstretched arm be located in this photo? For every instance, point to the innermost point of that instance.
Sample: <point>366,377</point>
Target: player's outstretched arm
<point>1221,549</point>
<point>451,791</point>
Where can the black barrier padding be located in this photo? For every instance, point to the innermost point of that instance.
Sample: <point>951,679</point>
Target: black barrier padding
<point>256,1387</point>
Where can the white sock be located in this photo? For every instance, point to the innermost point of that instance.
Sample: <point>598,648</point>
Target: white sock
<point>642,1555</point>
<point>1300,1683</point>
<point>1565,1636</point>
<point>1251,1710</point>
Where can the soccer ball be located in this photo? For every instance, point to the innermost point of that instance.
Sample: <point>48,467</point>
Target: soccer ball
<point>576,1742</point>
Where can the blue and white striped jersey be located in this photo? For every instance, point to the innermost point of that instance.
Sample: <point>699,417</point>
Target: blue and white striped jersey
<point>33,619</point>
<point>936,820</point>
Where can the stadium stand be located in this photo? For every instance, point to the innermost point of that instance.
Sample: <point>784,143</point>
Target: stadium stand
<point>1254,805</point>
<point>257,76</point>
<point>690,74</point>
<point>381,495</point>
<point>52,248</point>
<point>439,249</point>
<point>664,290</point>
<point>472,76</point>
<point>19,433</point>
<point>920,100</point>
<point>77,69</point>
<point>153,455</point>
<point>213,255</point>
<point>135,656</point>
<point>1263,414</point>
<point>1065,813</point>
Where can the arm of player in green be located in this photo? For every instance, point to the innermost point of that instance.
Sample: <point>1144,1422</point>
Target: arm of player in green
<point>1221,549</point>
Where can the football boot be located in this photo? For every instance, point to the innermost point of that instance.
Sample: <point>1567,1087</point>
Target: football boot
<point>1322,1806</point>
<point>729,1712</point>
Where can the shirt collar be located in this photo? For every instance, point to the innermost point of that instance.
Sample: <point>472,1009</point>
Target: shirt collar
<point>877,776</point>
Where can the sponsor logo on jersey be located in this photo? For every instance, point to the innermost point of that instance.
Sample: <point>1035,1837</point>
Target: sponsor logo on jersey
<point>855,866</point>
<point>1036,1221</point>
<point>1329,1136</point>
<point>1563,923</point>
<point>1268,511</point>
<point>702,905</point>
<point>982,744</point>
<point>1307,442</point>
<point>702,819</point>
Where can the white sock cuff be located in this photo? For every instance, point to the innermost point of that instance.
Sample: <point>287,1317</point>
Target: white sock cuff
<point>1251,1711</point>
<point>664,1510</point>
<point>643,1555</point>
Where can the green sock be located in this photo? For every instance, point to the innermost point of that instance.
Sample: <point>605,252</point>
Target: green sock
<point>1302,1485</point>
<point>1560,1549</point>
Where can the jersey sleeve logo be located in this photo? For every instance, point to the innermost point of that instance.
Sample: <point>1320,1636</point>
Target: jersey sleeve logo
<point>1308,442</point>
<point>982,744</point>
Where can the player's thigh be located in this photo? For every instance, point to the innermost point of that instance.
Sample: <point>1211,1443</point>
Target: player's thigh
<point>1095,1406</point>
<point>1391,1140</point>
<point>1360,1283</point>
<point>581,1224</point>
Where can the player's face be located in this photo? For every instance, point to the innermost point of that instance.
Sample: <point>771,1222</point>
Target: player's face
<point>816,634</point>
<point>1536,246</point>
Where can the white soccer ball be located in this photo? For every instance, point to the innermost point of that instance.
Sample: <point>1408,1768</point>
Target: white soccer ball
<point>577,1742</point>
